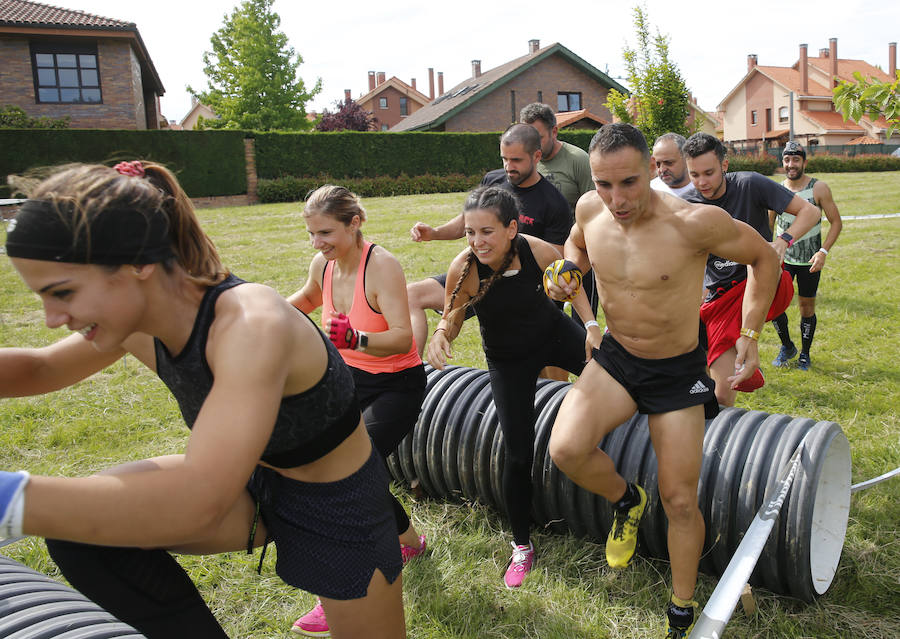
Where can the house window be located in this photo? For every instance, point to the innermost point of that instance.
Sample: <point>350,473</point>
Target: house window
<point>384,127</point>
<point>783,115</point>
<point>404,106</point>
<point>754,119</point>
<point>66,73</point>
<point>568,101</point>
<point>540,96</point>
<point>382,103</point>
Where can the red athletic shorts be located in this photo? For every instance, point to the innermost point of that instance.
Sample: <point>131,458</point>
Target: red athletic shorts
<point>722,316</point>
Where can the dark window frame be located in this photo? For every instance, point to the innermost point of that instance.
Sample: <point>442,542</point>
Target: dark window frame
<point>79,50</point>
<point>382,103</point>
<point>404,106</point>
<point>568,95</point>
<point>754,118</point>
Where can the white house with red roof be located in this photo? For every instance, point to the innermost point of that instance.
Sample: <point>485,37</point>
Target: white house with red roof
<point>758,108</point>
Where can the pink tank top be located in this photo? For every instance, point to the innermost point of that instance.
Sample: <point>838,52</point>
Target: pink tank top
<point>364,318</point>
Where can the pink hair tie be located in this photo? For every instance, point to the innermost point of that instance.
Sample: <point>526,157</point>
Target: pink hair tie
<point>134,169</point>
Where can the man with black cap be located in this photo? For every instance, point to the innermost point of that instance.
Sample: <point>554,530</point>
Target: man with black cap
<point>804,259</point>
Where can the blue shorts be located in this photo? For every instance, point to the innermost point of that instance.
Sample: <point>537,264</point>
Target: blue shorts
<point>660,385</point>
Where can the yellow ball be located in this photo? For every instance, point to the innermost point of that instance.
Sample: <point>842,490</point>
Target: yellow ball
<point>563,272</point>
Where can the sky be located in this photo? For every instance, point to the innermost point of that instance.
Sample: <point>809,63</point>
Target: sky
<point>341,43</point>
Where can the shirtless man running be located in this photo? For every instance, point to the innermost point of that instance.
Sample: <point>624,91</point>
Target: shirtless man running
<point>649,255</point>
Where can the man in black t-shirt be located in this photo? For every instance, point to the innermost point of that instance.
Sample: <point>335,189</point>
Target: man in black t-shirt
<point>544,213</point>
<point>747,197</point>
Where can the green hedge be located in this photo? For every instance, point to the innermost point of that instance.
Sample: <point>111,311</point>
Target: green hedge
<point>295,189</point>
<point>352,154</point>
<point>207,163</point>
<point>827,163</point>
<point>764,164</point>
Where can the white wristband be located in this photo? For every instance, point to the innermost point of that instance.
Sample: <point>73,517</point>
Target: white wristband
<point>590,323</point>
<point>823,250</point>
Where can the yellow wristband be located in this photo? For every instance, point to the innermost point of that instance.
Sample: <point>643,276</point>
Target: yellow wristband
<point>749,332</point>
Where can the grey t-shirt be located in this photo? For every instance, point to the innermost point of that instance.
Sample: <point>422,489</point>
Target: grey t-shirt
<point>748,198</point>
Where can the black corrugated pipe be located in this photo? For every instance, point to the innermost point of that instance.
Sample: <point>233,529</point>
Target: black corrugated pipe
<point>456,451</point>
<point>34,606</point>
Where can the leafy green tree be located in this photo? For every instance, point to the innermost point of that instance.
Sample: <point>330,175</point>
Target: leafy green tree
<point>252,73</point>
<point>874,98</point>
<point>659,101</point>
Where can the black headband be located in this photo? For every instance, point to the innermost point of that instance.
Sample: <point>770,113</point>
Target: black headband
<point>45,231</point>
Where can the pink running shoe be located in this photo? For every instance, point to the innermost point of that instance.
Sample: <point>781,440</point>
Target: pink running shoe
<point>313,623</point>
<point>519,566</point>
<point>408,552</point>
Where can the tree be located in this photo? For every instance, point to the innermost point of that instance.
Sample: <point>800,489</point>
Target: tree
<point>659,101</point>
<point>874,98</point>
<point>348,117</point>
<point>252,73</point>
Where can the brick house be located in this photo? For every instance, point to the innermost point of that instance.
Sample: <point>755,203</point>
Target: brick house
<point>758,108</point>
<point>491,100</point>
<point>392,101</point>
<point>59,62</point>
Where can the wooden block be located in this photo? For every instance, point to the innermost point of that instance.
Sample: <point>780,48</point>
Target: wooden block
<point>747,601</point>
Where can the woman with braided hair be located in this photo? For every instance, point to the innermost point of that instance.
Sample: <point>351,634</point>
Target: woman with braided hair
<point>277,449</point>
<point>522,331</point>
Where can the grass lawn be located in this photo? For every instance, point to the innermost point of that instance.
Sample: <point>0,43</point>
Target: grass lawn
<point>125,413</point>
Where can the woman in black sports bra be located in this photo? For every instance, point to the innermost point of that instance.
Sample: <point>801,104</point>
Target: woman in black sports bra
<point>277,449</point>
<point>522,331</point>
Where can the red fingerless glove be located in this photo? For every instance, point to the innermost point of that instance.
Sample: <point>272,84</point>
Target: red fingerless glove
<point>342,334</point>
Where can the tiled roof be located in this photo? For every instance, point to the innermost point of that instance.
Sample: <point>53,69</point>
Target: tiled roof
<point>831,120</point>
<point>864,139</point>
<point>398,84</point>
<point>565,118</point>
<point>472,89</point>
<point>32,14</point>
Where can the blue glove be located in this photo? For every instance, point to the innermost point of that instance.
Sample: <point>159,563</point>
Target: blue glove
<point>12,502</point>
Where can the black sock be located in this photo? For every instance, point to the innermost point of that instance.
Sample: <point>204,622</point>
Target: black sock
<point>630,499</point>
<point>781,327</point>
<point>807,331</point>
<point>679,617</point>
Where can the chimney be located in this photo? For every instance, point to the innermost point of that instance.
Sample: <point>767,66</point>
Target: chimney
<point>413,83</point>
<point>380,80</point>
<point>476,68</point>
<point>832,46</point>
<point>823,53</point>
<point>751,62</point>
<point>533,46</point>
<point>892,59</point>
<point>371,80</point>
<point>430,83</point>
<point>440,83</point>
<point>804,70</point>
<point>347,97</point>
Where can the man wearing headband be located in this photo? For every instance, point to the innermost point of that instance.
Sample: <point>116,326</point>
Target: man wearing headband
<point>806,258</point>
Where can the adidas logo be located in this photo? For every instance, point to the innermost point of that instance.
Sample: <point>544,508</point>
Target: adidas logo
<point>698,387</point>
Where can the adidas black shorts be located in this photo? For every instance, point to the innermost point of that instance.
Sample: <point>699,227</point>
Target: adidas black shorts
<point>660,385</point>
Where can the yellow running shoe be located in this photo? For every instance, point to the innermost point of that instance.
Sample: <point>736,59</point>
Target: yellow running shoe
<point>622,539</point>
<point>680,618</point>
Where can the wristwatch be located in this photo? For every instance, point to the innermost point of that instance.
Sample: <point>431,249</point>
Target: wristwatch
<point>363,343</point>
<point>787,237</point>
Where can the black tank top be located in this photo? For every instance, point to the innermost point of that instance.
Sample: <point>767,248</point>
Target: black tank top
<point>515,312</point>
<point>309,424</point>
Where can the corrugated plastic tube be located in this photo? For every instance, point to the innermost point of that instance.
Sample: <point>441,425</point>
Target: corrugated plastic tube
<point>456,452</point>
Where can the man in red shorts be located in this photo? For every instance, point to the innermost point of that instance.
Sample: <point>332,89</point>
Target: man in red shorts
<point>746,196</point>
